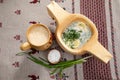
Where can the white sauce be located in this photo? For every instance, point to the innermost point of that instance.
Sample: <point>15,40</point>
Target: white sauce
<point>85,34</point>
<point>38,35</point>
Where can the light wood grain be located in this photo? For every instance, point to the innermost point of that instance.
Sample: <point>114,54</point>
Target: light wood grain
<point>63,19</point>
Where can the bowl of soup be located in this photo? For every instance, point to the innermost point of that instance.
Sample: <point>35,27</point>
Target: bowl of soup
<point>77,34</point>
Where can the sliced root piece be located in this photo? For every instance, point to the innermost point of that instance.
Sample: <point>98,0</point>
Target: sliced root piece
<point>54,56</point>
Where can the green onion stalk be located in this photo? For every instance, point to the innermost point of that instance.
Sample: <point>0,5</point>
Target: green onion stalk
<point>56,68</point>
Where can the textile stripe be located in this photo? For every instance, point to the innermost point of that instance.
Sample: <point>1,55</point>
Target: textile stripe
<point>75,67</point>
<point>113,42</point>
<point>94,69</point>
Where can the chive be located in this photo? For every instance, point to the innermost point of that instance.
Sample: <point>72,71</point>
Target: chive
<point>43,60</point>
<point>57,68</point>
<point>20,53</point>
<point>60,71</point>
<point>54,71</point>
<point>39,62</point>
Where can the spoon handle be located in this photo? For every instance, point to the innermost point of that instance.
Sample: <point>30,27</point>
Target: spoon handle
<point>25,46</point>
<point>56,12</point>
<point>100,52</point>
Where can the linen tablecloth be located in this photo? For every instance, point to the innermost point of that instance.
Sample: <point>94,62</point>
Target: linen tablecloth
<point>17,15</point>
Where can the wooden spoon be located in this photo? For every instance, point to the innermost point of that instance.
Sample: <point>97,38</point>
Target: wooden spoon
<point>64,19</point>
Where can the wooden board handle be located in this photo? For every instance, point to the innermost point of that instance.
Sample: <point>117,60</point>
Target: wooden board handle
<point>100,52</point>
<point>56,12</point>
<point>25,46</point>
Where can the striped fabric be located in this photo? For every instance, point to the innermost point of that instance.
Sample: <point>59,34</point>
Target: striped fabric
<point>17,15</point>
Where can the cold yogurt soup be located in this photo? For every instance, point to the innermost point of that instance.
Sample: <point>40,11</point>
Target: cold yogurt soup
<point>76,35</point>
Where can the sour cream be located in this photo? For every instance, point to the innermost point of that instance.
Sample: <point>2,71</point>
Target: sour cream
<point>38,35</point>
<point>76,34</point>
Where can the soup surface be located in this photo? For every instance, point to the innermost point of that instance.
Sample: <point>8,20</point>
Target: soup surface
<point>38,35</point>
<point>76,35</point>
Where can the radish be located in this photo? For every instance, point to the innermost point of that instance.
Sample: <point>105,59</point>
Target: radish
<point>54,56</point>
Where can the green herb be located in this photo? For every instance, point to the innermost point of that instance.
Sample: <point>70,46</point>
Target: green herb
<point>71,34</point>
<point>56,68</point>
